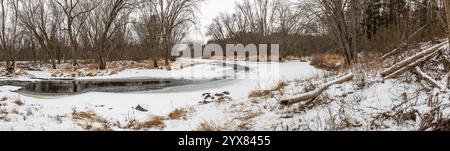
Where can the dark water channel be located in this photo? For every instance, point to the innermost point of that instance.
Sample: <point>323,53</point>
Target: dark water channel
<point>78,86</point>
<point>67,87</point>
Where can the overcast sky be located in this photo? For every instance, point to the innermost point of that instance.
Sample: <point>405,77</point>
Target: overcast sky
<point>208,11</point>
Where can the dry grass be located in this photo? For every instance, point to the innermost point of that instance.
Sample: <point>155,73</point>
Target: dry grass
<point>178,114</point>
<point>3,99</point>
<point>245,126</point>
<point>330,62</point>
<point>19,102</point>
<point>155,122</point>
<point>296,58</point>
<point>89,120</point>
<point>268,93</point>
<point>90,115</point>
<point>261,94</point>
<point>209,126</point>
<point>232,58</point>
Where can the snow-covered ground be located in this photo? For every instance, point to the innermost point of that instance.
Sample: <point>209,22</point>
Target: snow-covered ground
<point>248,101</point>
<point>54,113</point>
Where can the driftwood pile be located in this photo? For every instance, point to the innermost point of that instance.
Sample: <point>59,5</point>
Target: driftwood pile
<point>408,64</point>
<point>412,64</point>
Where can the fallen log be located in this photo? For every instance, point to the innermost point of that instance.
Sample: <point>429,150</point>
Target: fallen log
<point>429,79</point>
<point>412,59</point>
<point>314,94</point>
<point>410,66</point>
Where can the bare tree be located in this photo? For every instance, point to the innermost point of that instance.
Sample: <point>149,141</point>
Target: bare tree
<point>175,16</point>
<point>261,21</point>
<point>148,29</point>
<point>340,26</point>
<point>9,32</point>
<point>73,11</point>
<point>101,29</point>
<point>43,23</point>
<point>447,8</point>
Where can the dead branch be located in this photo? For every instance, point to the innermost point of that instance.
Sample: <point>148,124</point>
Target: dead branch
<point>413,59</point>
<point>429,79</point>
<point>314,94</point>
<point>410,66</point>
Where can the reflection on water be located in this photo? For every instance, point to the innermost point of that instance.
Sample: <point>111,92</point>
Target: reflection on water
<point>56,87</point>
<point>71,86</point>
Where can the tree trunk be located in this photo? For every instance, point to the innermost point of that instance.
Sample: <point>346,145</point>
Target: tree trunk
<point>9,65</point>
<point>73,42</point>
<point>316,93</point>
<point>74,57</point>
<point>447,10</point>
<point>101,60</point>
<point>58,55</point>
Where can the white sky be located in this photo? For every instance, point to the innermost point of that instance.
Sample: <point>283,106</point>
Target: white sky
<point>208,11</point>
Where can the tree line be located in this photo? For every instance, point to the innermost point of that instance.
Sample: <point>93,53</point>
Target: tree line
<point>303,27</point>
<point>52,31</point>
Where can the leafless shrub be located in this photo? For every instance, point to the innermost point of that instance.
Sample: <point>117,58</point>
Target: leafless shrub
<point>402,116</point>
<point>429,119</point>
<point>343,119</point>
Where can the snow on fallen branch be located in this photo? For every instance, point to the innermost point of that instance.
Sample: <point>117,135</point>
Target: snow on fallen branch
<point>314,94</point>
<point>429,79</point>
<point>412,59</point>
<point>410,66</point>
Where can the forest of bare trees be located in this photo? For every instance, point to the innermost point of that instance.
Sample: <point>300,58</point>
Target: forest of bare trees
<point>55,31</point>
<point>346,27</point>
